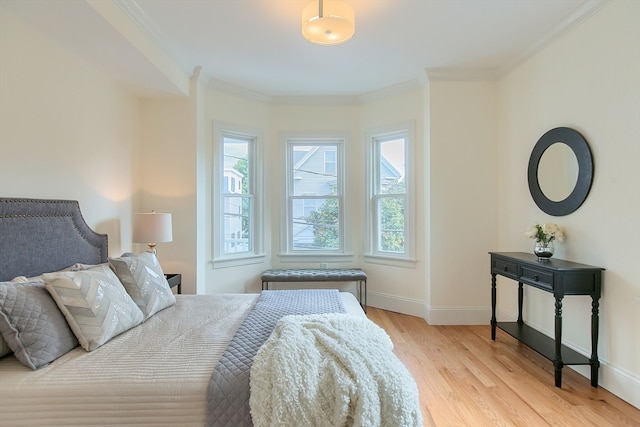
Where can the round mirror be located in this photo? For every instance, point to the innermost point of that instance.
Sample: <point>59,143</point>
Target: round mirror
<point>560,171</point>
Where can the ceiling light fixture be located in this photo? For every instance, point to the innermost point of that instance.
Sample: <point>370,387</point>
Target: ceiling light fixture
<point>328,22</point>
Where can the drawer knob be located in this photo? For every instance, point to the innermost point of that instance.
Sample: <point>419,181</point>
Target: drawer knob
<point>505,268</point>
<point>535,277</point>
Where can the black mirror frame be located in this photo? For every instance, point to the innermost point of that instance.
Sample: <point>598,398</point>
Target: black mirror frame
<point>581,149</point>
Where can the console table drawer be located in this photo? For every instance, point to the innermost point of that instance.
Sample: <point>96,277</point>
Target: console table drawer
<point>537,278</point>
<point>505,268</point>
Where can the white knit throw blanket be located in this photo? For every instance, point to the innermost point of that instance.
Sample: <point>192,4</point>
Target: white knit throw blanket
<point>331,370</point>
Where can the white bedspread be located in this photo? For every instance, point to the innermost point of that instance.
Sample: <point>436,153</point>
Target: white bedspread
<point>331,370</point>
<point>156,373</point>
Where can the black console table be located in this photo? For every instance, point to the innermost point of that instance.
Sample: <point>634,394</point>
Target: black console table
<point>560,278</point>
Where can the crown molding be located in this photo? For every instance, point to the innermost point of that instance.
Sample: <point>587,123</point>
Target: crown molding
<point>461,74</point>
<point>316,100</point>
<point>234,89</point>
<point>386,92</point>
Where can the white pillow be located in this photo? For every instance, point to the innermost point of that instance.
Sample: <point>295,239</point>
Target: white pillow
<point>95,304</point>
<point>144,280</point>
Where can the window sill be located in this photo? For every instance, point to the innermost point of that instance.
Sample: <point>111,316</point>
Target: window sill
<point>315,257</point>
<point>238,261</point>
<point>389,260</point>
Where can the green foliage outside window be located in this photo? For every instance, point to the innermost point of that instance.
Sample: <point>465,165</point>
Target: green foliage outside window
<point>325,225</point>
<point>392,224</point>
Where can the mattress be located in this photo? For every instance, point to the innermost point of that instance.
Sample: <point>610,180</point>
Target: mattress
<point>155,373</point>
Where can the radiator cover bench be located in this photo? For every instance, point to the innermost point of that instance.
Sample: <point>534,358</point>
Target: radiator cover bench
<point>320,275</point>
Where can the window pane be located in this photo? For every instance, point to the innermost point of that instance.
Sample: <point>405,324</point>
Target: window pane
<point>391,224</point>
<point>314,169</point>
<point>236,166</point>
<point>316,224</point>
<point>330,166</point>
<point>237,230</point>
<point>391,166</point>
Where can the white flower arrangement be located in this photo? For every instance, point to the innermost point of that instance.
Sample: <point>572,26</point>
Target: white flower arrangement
<point>545,233</point>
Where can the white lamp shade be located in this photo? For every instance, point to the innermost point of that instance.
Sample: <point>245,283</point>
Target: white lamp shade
<point>152,227</point>
<point>336,25</point>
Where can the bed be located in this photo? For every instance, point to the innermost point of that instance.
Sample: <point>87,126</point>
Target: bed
<point>173,363</point>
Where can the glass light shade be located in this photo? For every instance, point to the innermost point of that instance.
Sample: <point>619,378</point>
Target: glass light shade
<point>336,25</point>
<point>152,228</point>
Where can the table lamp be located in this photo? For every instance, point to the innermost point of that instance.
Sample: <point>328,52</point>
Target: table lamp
<point>152,228</point>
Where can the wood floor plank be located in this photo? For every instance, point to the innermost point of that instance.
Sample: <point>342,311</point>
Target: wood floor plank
<point>466,379</point>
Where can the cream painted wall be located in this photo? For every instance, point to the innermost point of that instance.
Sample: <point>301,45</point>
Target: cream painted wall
<point>463,200</point>
<point>66,131</point>
<point>166,172</point>
<point>589,80</point>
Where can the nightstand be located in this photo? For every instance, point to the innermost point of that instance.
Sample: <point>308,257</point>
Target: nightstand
<point>174,280</point>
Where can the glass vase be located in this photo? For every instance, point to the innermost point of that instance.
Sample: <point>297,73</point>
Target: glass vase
<point>543,250</point>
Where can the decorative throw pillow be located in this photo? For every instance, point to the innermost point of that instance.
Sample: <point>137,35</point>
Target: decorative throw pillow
<point>142,277</point>
<point>94,303</point>
<point>32,325</point>
<point>4,347</point>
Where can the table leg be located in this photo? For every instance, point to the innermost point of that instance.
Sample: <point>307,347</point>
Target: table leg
<point>595,363</point>
<point>557,359</point>
<point>362,287</point>
<point>493,306</point>
<point>365,295</point>
<point>520,301</point>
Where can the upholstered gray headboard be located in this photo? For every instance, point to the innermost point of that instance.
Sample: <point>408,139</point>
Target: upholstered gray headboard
<point>40,236</point>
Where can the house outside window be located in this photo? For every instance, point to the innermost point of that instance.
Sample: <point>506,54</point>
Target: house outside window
<point>236,198</point>
<point>330,167</point>
<point>314,222</point>
<point>390,217</point>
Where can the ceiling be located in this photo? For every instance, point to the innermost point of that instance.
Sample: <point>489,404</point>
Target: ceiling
<point>256,44</point>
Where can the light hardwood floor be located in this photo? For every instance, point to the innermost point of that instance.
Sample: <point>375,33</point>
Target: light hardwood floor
<point>465,379</point>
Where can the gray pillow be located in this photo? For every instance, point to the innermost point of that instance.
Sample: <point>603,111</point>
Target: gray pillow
<point>32,325</point>
<point>94,303</point>
<point>144,280</point>
<point>4,347</point>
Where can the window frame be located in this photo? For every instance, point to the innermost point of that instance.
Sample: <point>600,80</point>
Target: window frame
<point>374,138</point>
<point>287,252</point>
<point>254,138</point>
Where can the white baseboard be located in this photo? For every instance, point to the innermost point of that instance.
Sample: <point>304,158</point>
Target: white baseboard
<point>614,380</point>
<point>412,307</point>
<point>458,316</point>
<point>433,316</point>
